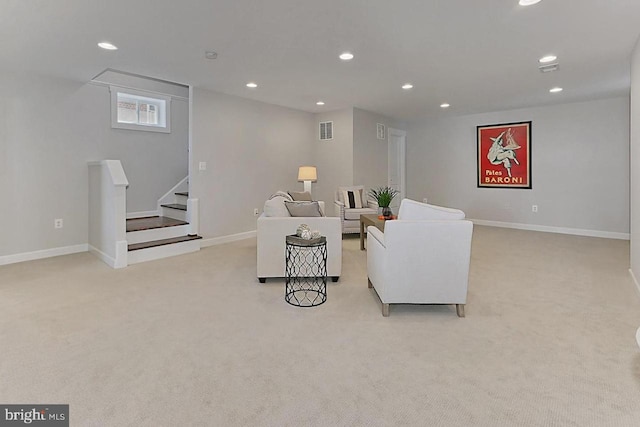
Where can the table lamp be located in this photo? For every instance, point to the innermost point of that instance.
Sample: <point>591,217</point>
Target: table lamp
<point>307,174</point>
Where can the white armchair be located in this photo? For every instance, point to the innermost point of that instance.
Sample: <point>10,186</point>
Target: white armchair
<point>421,258</point>
<point>350,217</point>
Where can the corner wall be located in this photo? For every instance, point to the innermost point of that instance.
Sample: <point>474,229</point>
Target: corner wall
<point>333,158</point>
<point>49,129</point>
<point>252,149</point>
<point>580,166</point>
<point>370,154</point>
<point>635,162</point>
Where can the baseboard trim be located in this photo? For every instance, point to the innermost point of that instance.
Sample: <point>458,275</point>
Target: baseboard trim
<point>45,253</point>
<point>110,261</point>
<point>142,214</point>
<point>119,261</point>
<point>227,239</point>
<point>549,229</point>
<point>85,247</point>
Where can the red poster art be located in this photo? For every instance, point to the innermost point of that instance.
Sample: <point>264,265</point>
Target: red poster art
<point>504,155</point>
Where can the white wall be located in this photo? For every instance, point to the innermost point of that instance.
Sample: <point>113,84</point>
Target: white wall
<point>154,162</point>
<point>252,149</point>
<point>333,158</point>
<point>49,129</point>
<point>635,161</point>
<point>580,166</point>
<point>370,154</point>
<point>354,157</point>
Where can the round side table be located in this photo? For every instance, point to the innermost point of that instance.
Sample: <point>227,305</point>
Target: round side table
<point>305,271</point>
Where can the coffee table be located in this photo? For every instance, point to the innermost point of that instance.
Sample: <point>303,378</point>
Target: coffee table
<point>367,220</point>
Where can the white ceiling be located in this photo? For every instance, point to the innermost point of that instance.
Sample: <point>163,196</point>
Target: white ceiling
<point>478,55</point>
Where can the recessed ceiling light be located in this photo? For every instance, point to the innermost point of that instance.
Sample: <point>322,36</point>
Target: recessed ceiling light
<point>252,85</point>
<point>528,2</point>
<point>445,105</point>
<point>107,46</point>
<point>548,58</point>
<point>407,86</point>
<point>346,56</point>
<point>555,90</point>
<point>319,103</point>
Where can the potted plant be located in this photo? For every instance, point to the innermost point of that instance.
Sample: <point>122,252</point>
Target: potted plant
<point>384,196</point>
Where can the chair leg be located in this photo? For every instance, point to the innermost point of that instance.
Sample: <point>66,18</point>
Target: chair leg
<point>385,310</point>
<point>460,310</point>
<point>369,283</point>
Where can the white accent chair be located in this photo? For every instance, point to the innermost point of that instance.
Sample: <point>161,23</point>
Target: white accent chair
<point>272,231</point>
<point>421,258</point>
<point>350,217</point>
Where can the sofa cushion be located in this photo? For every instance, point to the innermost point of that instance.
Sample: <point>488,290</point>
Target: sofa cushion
<point>300,196</point>
<point>281,193</point>
<point>302,209</point>
<point>351,214</point>
<point>275,207</point>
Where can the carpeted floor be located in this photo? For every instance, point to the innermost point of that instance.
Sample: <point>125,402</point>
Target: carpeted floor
<point>195,340</point>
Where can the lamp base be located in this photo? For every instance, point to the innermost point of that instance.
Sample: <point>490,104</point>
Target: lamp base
<point>307,186</point>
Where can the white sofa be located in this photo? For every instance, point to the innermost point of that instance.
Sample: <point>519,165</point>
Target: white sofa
<point>350,217</point>
<point>272,231</point>
<point>421,258</point>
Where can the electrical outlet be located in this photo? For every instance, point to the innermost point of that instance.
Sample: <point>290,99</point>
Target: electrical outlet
<point>202,166</point>
<point>256,211</point>
<point>534,208</point>
<point>58,223</point>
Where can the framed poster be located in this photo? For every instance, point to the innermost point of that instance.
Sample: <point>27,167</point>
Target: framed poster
<point>504,155</point>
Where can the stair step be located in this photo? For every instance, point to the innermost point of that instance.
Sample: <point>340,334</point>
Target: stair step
<point>177,206</point>
<point>151,222</point>
<point>182,193</point>
<point>154,243</point>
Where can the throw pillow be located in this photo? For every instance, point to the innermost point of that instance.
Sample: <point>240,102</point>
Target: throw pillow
<point>353,199</point>
<point>274,207</point>
<point>281,193</point>
<point>303,208</point>
<point>300,196</point>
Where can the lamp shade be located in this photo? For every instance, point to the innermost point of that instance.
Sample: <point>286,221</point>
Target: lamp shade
<point>307,173</point>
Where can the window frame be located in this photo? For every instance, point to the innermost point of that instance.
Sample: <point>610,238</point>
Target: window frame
<point>151,96</point>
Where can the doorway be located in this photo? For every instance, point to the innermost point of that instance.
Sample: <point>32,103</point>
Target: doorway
<point>397,164</point>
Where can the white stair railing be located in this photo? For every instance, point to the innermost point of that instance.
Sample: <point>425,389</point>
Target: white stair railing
<point>193,216</point>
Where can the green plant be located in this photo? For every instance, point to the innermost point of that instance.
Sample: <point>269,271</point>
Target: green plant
<point>383,195</point>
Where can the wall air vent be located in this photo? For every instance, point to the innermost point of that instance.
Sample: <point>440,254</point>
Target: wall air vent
<point>547,68</point>
<point>326,131</point>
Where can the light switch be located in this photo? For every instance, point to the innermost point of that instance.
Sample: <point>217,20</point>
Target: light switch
<point>203,166</point>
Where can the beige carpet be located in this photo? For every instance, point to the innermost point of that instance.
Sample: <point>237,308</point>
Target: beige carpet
<point>549,340</point>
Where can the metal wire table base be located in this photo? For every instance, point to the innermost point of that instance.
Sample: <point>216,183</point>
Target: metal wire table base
<point>306,271</point>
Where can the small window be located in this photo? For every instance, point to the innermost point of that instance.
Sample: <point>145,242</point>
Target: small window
<point>134,110</point>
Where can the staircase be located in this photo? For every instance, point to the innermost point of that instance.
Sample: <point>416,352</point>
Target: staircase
<point>156,237</point>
